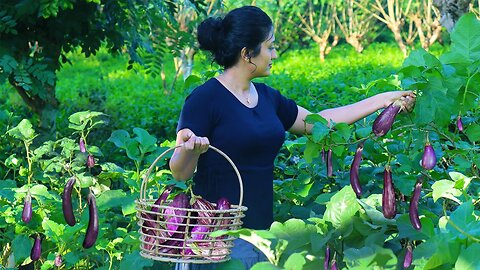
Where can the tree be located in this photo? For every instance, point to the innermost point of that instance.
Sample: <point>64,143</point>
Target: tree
<point>451,11</point>
<point>36,35</point>
<point>316,20</point>
<point>356,24</point>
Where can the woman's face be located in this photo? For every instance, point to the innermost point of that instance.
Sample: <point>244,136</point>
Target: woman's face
<point>263,60</point>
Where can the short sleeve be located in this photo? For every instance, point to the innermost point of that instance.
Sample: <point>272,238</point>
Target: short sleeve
<point>196,114</point>
<point>287,110</point>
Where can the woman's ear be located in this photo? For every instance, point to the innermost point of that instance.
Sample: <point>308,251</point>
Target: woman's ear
<point>245,54</point>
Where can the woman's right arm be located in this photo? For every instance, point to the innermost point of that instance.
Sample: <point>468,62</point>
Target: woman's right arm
<point>184,159</point>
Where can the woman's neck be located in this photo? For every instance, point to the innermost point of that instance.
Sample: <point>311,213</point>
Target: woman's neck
<point>235,80</point>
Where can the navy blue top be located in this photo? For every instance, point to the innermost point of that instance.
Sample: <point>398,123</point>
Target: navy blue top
<point>251,137</point>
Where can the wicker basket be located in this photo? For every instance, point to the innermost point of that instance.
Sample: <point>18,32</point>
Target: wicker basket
<point>159,243</point>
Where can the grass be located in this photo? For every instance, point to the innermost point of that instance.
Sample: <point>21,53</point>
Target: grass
<point>133,98</point>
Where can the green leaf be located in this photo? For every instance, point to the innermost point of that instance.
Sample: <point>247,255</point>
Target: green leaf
<point>461,181</point>
<point>468,258</point>
<point>473,132</point>
<point>406,229</point>
<point>295,231</point>
<point>465,46</point>
<point>52,229</point>
<point>295,261</point>
<point>134,261</point>
<point>23,131</point>
<point>6,190</point>
<point>342,207</point>
<point>119,138</point>
<point>344,130</point>
<point>312,150</point>
<point>445,189</point>
<point>264,266</point>
<point>133,150</point>
<point>369,256</point>
<point>191,81</point>
<point>462,217</point>
<point>147,141</point>
<point>434,104</point>
<point>233,264</point>
<point>128,205</point>
<point>21,247</point>
<point>110,198</point>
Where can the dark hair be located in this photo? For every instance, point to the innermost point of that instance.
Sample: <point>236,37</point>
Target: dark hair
<point>247,27</point>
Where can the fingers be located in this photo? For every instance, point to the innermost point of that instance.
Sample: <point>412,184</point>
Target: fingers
<point>191,142</point>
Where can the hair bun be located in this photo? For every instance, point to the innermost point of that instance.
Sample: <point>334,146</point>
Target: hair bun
<point>209,34</point>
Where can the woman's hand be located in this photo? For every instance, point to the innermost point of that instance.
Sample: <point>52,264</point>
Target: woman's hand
<point>407,98</point>
<point>191,142</point>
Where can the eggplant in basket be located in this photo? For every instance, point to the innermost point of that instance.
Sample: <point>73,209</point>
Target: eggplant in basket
<point>205,213</point>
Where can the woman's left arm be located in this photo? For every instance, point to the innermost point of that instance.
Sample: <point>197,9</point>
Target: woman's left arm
<point>350,113</point>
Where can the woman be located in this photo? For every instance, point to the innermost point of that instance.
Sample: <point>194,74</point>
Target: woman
<point>246,120</point>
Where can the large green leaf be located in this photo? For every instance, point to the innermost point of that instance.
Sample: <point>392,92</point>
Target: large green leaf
<point>445,189</point>
<point>296,261</point>
<point>110,198</point>
<point>52,229</point>
<point>462,217</point>
<point>465,37</point>
<point>370,257</point>
<point>147,142</point>
<point>342,207</point>
<point>23,131</point>
<point>134,261</point>
<point>6,191</point>
<point>468,260</point>
<point>21,247</point>
<point>435,103</point>
<point>295,231</point>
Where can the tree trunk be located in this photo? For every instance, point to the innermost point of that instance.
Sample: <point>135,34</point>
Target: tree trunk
<point>187,62</point>
<point>398,37</point>
<point>45,107</point>
<point>451,11</point>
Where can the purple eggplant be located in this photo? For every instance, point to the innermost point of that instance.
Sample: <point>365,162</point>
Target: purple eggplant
<point>205,214</point>
<point>407,261</point>
<point>58,260</point>
<point>326,263</point>
<point>459,123</point>
<point>67,202</point>
<point>149,219</point>
<point>224,204</point>
<point>27,208</point>
<point>334,265</point>
<point>384,121</point>
<point>354,178</point>
<point>90,161</point>
<point>163,197</point>
<point>36,251</point>
<point>329,163</point>
<point>149,242</point>
<point>174,217</point>
<point>429,159</point>
<point>413,208</point>
<point>389,206</point>
<point>81,144</point>
<point>199,232</point>
<point>92,229</point>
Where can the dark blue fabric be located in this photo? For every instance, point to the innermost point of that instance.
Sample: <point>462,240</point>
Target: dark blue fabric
<point>251,137</point>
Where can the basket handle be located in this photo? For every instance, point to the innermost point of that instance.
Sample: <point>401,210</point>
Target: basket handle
<point>143,187</point>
